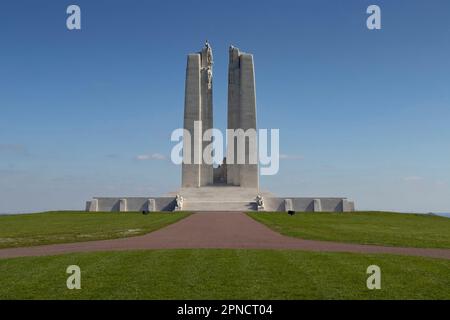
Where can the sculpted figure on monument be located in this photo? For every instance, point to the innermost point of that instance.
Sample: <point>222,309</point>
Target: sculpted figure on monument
<point>209,75</point>
<point>260,202</point>
<point>209,55</point>
<point>179,202</point>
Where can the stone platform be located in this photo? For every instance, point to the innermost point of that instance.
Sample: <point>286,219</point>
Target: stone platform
<point>219,198</point>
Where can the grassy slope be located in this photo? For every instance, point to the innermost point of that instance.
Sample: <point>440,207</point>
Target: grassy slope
<point>391,229</point>
<point>60,227</point>
<point>224,274</point>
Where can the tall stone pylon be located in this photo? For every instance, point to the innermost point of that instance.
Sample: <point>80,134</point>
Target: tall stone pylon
<point>241,115</point>
<point>198,117</point>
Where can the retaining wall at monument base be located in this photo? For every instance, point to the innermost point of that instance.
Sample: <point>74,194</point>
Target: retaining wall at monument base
<point>308,204</point>
<point>168,204</point>
<point>134,204</point>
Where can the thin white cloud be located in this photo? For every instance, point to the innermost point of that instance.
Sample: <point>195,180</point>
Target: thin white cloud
<point>441,183</point>
<point>15,149</point>
<point>412,178</point>
<point>153,156</point>
<point>290,157</point>
<point>112,155</point>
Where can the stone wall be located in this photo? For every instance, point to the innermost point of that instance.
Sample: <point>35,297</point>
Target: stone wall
<point>197,109</point>
<point>241,115</point>
<point>310,204</point>
<point>139,204</point>
<point>135,204</point>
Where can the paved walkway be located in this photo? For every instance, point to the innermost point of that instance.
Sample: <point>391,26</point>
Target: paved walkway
<point>216,230</point>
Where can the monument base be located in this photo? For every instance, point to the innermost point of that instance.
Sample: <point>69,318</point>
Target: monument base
<point>220,198</point>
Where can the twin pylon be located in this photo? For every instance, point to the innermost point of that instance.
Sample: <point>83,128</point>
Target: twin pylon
<point>198,111</point>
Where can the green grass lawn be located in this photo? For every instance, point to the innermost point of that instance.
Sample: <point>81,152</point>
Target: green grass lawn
<point>390,229</point>
<point>61,227</point>
<point>224,274</point>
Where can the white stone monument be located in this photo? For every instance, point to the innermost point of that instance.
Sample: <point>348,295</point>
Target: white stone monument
<point>232,186</point>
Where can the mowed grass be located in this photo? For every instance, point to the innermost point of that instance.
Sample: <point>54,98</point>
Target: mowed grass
<point>224,274</point>
<point>61,227</point>
<point>382,228</point>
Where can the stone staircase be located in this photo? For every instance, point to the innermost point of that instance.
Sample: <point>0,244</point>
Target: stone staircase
<point>218,198</point>
<point>190,205</point>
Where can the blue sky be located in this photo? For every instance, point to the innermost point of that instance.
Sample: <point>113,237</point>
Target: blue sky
<point>363,114</point>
